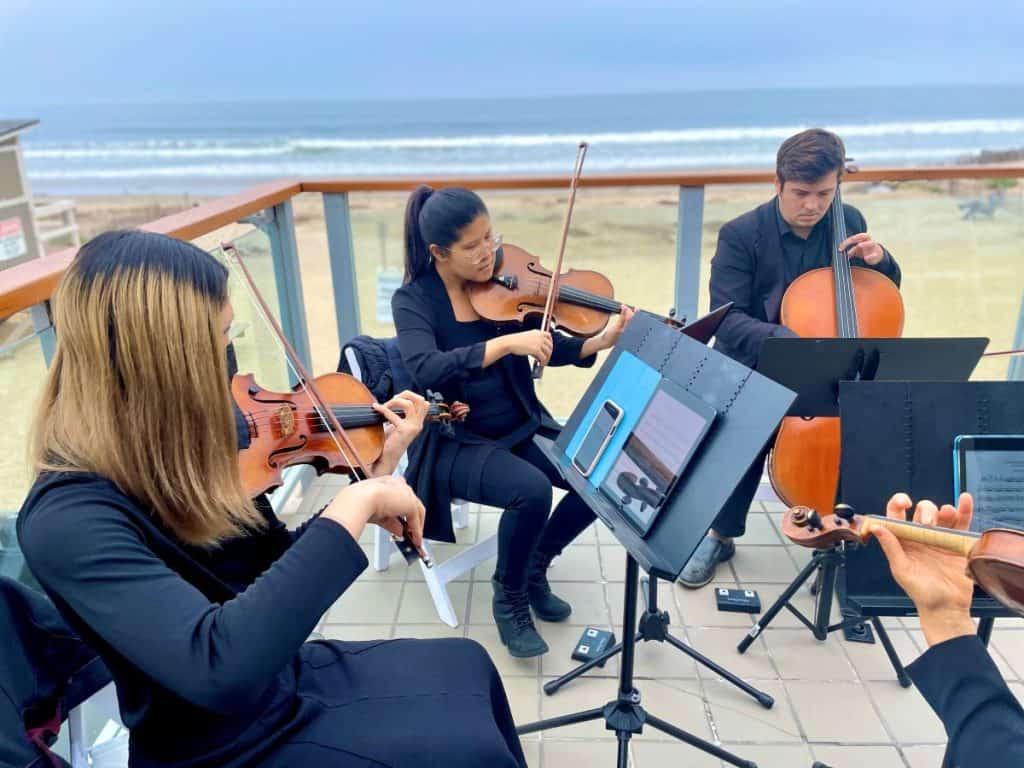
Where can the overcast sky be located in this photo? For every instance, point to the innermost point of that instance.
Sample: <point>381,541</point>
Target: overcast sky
<point>67,52</point>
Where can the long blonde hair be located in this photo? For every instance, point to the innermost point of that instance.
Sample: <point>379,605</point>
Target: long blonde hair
<point>138,388</point>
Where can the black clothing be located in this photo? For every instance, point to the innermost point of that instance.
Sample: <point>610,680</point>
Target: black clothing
<point>444,355</point>
<point>45,671</point>
<point>519,480</point>
<point>380,366</point>
<point>803,254</point>
<point>210,675</point>
<point>493,414</point>
<point>756,259</point>
<point>983,719</point>
<point>749,269</point>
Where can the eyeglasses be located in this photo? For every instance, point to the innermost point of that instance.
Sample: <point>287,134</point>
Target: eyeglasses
<point>490,245</point>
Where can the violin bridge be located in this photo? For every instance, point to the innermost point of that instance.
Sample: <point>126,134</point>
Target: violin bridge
<point>285,421</point>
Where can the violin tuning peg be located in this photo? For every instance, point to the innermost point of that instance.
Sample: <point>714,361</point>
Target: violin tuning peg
<point>844,512</point>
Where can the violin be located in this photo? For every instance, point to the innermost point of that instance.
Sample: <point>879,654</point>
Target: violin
<point>995,558</point>
<point>286,428</point>
<point>519,288</point>
<point>334,434</point>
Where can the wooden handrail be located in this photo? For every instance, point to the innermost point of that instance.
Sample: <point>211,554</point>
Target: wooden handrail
<point>33,281</point>
<point>659,179</point>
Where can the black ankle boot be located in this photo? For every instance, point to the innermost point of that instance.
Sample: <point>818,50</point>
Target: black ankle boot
<point>514,622</point>
<point>547,605</point>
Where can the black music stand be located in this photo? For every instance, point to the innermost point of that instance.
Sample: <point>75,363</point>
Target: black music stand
<point>814,369</point>
<point>749,408</point>
<point>907,446</point>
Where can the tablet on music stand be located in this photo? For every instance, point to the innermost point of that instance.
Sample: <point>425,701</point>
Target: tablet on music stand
<point>991,469</point>
<point>656,453</point>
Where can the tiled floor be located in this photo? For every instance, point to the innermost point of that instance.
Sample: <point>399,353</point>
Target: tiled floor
<point>836,702</point>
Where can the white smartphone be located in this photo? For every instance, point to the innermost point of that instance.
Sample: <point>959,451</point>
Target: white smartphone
<point>596,440</point>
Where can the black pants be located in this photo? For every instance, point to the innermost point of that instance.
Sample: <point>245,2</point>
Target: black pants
<point>396,704</point>
<point>520,482</point>
<point>732,519</point>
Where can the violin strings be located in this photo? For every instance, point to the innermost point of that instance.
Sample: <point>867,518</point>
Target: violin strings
<point>579,296</point>
<point>346,418</point>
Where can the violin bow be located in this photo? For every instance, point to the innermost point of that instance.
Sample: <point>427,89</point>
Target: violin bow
<point>323,409</point>
<point>1004,353</point>
<point>549,304</point>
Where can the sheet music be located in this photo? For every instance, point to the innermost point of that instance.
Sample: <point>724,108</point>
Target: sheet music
<point>996,481</point>
<point>653,456</point>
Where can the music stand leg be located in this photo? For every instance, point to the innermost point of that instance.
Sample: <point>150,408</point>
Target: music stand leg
<point>551,687</point>
<point>624,715</point>
<point>985,627</point>
<point>766,617</point>
<point>699,743</point>
<point>890,651</point>
<point>826,590</point>
<point>623,761</point>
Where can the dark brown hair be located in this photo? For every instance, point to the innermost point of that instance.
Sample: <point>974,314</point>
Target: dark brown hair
<point>809,155</point>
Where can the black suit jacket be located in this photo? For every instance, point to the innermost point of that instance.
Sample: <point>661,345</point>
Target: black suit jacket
<point>749,270</point>
<point>983,719</point>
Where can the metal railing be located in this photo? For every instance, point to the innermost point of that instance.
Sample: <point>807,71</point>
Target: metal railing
<point>28,286</point>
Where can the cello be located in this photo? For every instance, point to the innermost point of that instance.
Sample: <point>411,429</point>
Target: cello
<point>840,301</point>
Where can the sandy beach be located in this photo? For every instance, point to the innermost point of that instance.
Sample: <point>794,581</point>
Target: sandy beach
<point>960,277</point>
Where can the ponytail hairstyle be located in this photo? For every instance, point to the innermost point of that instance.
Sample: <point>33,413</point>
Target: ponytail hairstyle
<point>436,217</point>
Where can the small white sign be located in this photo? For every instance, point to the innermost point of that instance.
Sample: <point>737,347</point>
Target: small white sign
<point>387,283</point>
<point>12,240</point>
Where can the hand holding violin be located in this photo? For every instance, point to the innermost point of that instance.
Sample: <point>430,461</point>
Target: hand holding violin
<point>936,580</point>
<point>386,501</point>
<point>399,431</point>
<point>610,336</point>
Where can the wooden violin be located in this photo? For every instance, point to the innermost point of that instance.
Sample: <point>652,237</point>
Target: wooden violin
<point>350,459</point>
<point>287,429</point>
<point>519,288</point>
<point>995,558</point>
<point>831,302</point>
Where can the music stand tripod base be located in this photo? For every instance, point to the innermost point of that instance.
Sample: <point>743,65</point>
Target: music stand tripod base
<point>654,626</point>
<point>826,564</point>
<point>625,715</point>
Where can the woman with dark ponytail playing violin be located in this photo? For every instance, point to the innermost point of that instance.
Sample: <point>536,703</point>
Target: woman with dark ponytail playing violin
<point>491,458</point>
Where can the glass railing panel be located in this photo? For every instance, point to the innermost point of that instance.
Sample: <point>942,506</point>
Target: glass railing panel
<point>22,376</point>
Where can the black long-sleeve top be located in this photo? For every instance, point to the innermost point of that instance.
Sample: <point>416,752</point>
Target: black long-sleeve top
<point>983,719</point>
<point>205,670</point>
<point>446,356</point>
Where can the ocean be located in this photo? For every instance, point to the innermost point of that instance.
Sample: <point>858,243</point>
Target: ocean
<point>213,148</point>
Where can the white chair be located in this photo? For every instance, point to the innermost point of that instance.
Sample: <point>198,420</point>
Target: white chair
<point>110,748</point>
<point>440,575</point>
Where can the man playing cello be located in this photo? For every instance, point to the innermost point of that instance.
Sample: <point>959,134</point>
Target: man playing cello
<point>759,255</point>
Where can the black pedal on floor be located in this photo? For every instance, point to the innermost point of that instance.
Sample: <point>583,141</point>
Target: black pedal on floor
<point>737,600</point>
<point>592,643</point>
